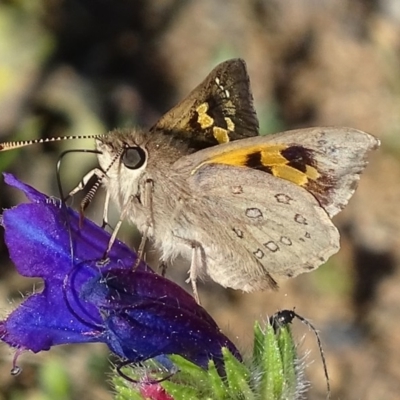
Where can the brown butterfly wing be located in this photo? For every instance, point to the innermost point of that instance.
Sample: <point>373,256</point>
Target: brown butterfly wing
<point>219,110</point>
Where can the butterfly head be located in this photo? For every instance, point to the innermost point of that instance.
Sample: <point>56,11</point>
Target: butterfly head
<point>128,156</point>
<point>123,157</point>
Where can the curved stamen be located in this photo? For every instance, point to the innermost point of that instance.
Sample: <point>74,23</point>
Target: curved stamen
<point>67,287</point>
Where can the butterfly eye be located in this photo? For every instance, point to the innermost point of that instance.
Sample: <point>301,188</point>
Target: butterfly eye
<point>133,157</point>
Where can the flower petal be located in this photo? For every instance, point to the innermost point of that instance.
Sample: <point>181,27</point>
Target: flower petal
<point>137,313</point>
<point>146,316</point>
<point>39,236</point>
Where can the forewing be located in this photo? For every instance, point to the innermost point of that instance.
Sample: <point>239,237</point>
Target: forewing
<point>327,162</point>
<point>217,111</point>
<point>280,224</point>
<point>332,159</point>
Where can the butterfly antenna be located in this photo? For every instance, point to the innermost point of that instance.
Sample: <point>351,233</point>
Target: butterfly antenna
<point>23,143</point>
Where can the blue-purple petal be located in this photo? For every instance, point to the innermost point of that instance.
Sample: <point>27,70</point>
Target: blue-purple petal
<point>137,313</point>
<point>167,319</point>
<point>39,236</point>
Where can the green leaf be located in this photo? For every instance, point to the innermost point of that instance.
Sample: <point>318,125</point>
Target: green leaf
<point>217,385</point>
<point>237,376</point>
<point>271,369</point>
<point>276,362</point>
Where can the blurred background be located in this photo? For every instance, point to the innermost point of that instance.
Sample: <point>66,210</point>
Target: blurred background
<point>83,67</point>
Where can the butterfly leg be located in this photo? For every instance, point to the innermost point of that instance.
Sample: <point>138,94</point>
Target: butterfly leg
<point>147,205</point>
<point>197,264</point>
<point>105,223</point>
<point>163,268</point>
<point>117,227</point>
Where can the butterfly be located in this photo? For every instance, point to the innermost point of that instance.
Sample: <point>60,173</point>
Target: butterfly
<point>241,208</point>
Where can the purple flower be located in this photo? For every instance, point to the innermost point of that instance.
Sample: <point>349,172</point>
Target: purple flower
<point>138,314</point>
